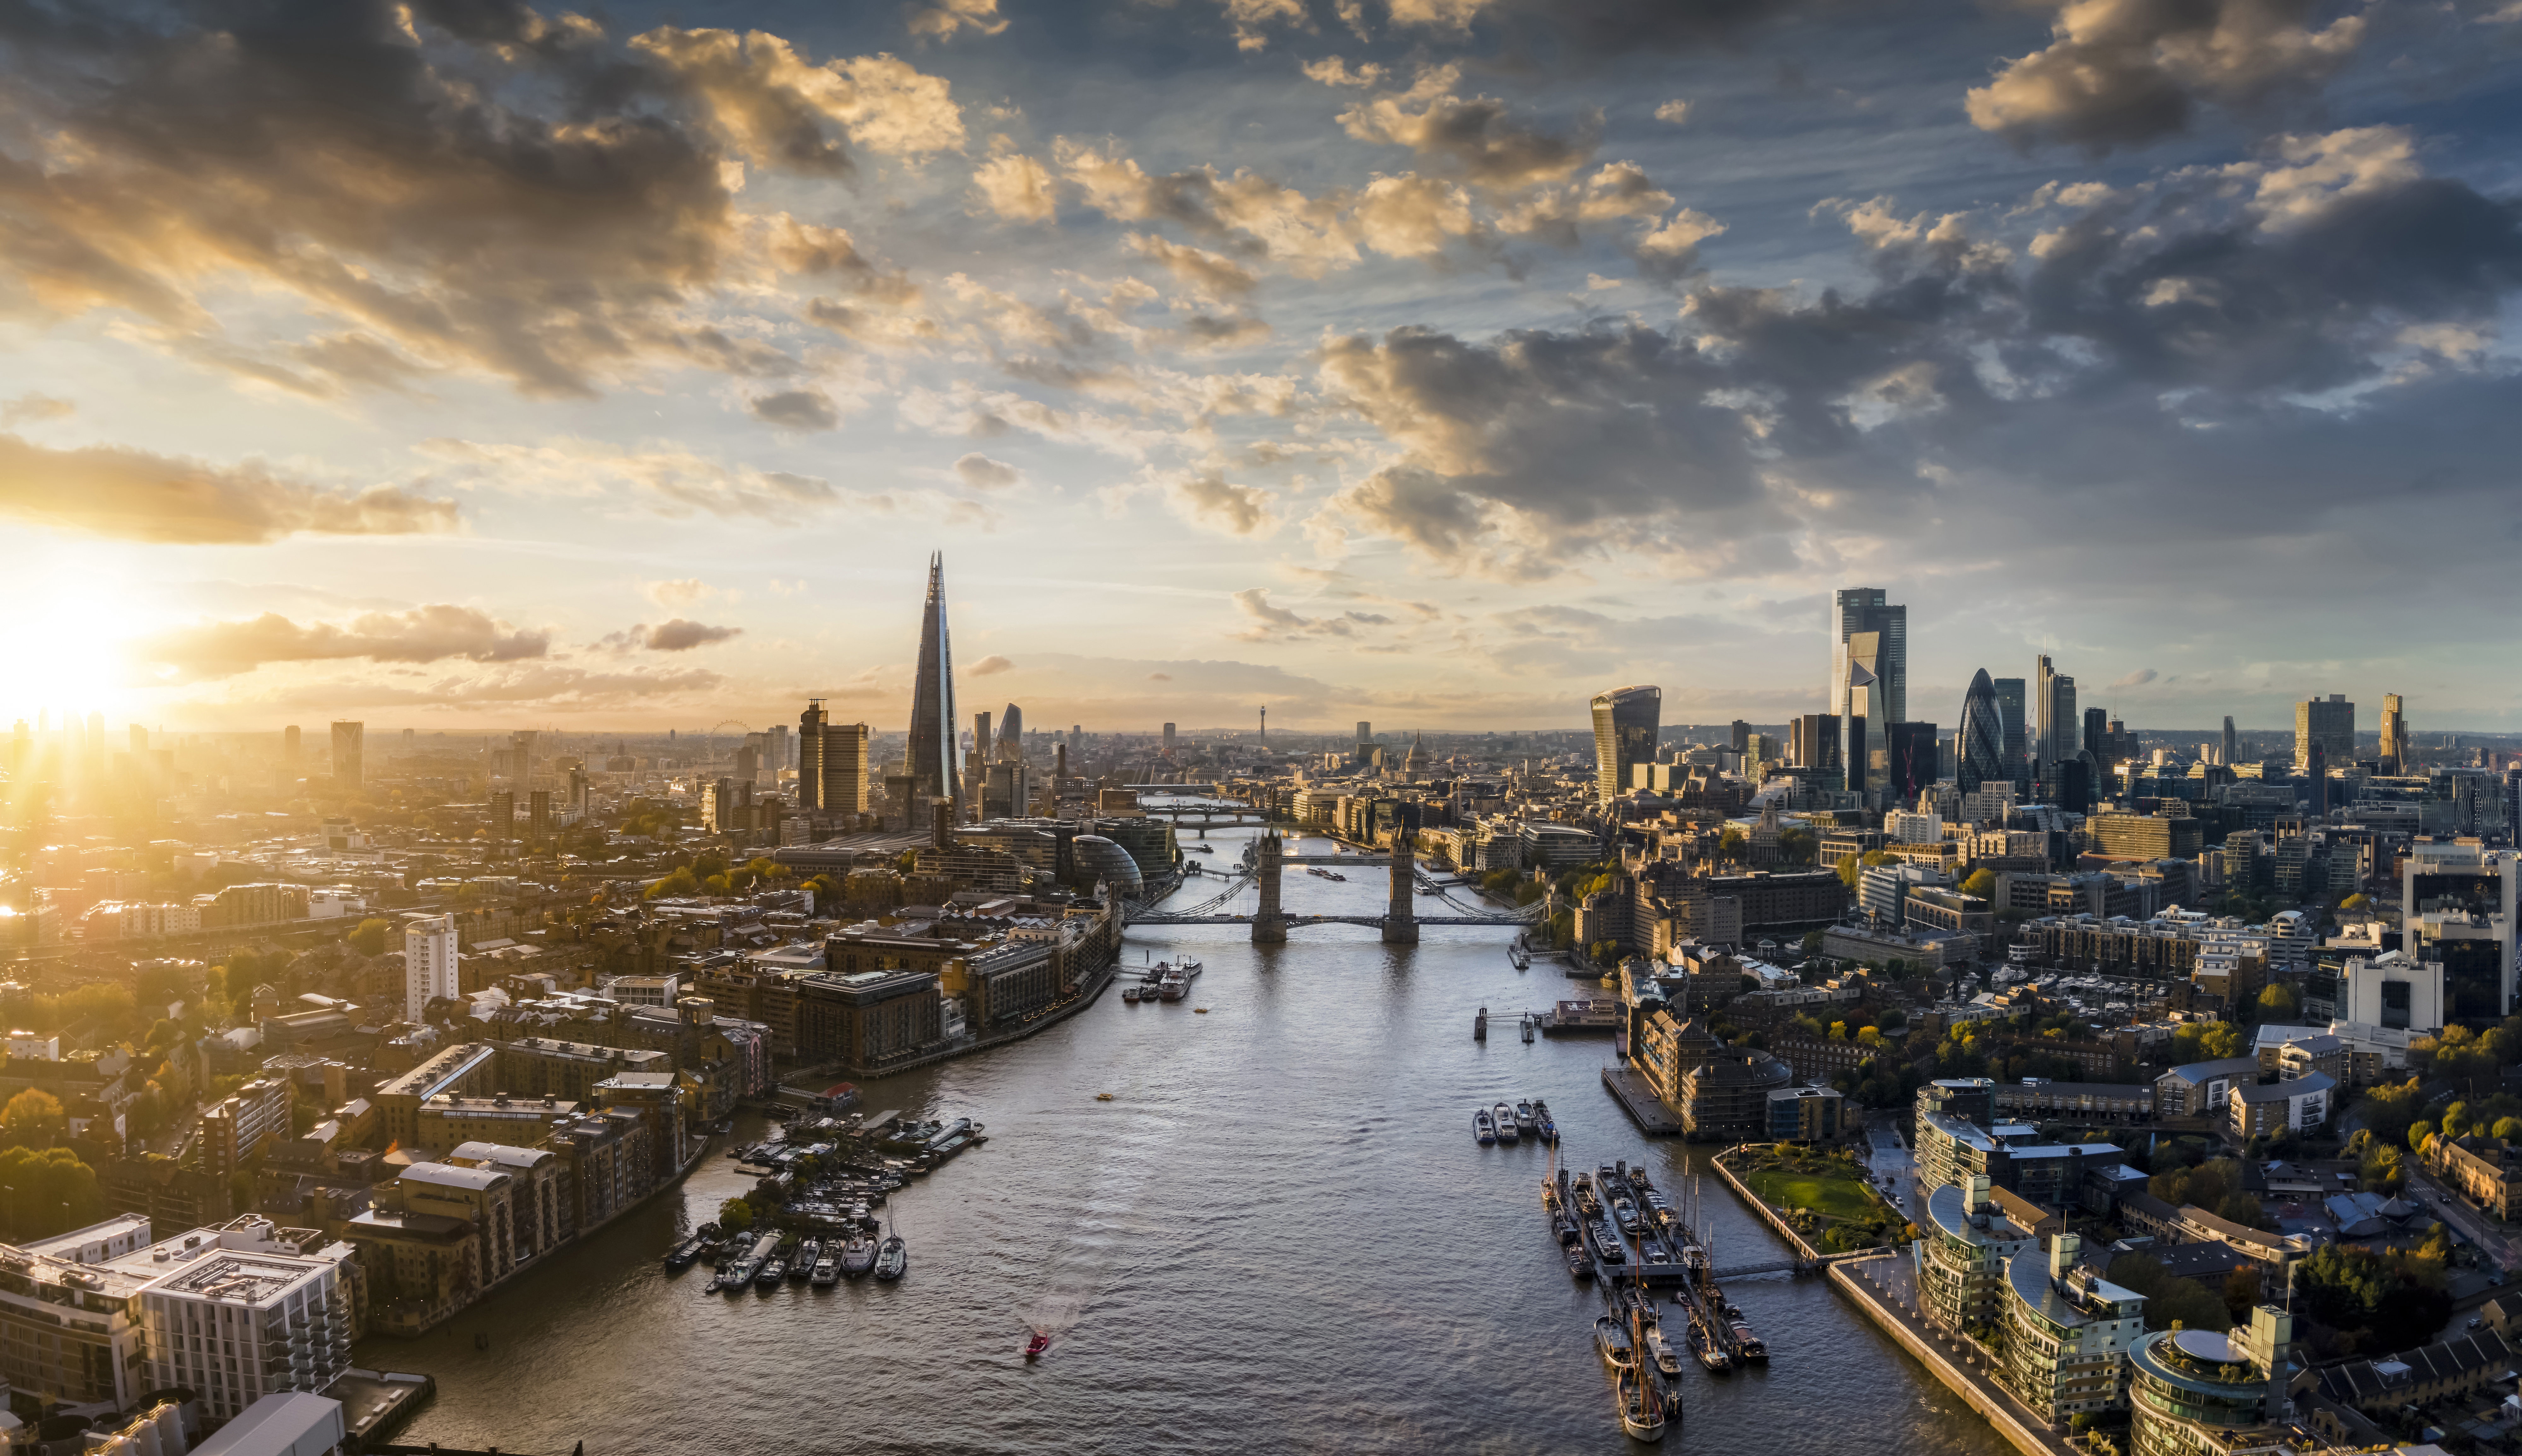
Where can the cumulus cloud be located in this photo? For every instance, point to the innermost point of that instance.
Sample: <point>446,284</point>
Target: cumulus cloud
<point>431,186</point>
<point>1207,499</point>
<point>1528,452</point>
<point>796,409</point>
<point>679,593</point>
<point>783,111</point>
<point>137,496</point>
<point>1414,217</point>
<point>2125,72</point>
<point>1675,111</point>
<point>424,634</point>
<point>990,667</point>
<point>981,473</point>
<point>1475,137</point>
<point>1017,188</point>
<point>1249,17</point>
<point>366,169</point>
<point>680,635</point>
<point>1331,70</point>
<point>1209,273</point>
<point>944,20</point>
<point>1267,217</point>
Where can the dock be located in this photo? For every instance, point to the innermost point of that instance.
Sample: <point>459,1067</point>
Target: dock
<point>1638,1099</point>
<point>376,1403</point>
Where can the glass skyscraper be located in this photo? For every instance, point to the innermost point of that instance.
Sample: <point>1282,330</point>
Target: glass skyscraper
<point>1863,611</point>
<point>1625,722</point>
<point>1979,747</point>
<point>932,696</point>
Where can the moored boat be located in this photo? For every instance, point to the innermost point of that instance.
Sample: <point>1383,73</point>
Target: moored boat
<point>893,1261</point>
<point>858,1255</point>
<point>773,1271</point>
<point>808,1254</point>
<point>828,1273</point>
<point>1579,1262</point>
<point>1641,1408</point>
<point>1505,1116</point>
<point>1668,1360</point>
<point>1483,1127</point>
<point>1710,1356</point>
<point>1129,994</point>
<point>1612,1342</point>
<point>1749,1346</point>
<point>1524,1117</point>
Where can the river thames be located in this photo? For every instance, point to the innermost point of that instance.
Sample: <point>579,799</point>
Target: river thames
<point>1278,1236</point>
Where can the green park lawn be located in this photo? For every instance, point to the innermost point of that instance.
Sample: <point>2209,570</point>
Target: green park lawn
<point>1832,1198</point>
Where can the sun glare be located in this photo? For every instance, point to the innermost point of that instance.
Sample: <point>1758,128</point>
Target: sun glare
<point>70,629</point>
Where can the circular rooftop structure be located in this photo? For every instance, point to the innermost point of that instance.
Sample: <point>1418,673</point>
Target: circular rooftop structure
<point>1098,859</point>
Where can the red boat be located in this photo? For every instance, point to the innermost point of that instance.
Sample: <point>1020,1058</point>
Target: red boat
<point>1036,1344</point>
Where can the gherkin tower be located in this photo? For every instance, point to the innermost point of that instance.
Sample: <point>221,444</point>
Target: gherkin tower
<point>1979,747</point>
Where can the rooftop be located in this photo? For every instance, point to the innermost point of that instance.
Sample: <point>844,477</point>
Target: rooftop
<point>242,1278</point>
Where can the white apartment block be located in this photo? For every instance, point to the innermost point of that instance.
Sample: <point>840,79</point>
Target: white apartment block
<point>429,958</point>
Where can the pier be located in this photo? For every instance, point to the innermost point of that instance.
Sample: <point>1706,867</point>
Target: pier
<point>1640,1102</point>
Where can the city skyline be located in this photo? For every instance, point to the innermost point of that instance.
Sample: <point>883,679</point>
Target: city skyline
<point>1441,363</point>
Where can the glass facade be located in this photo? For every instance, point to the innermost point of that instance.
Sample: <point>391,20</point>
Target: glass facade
<point>1978,746</point>
<point>933,766</point>
<point>1626,723</point>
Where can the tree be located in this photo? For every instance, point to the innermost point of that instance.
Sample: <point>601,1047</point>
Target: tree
<point>1798,846</point>
<point>2391,1111</point>
<point>1981,883</point>
<point>33,1119</point>
<point>735,1214</point>
<point>1733,844</point>
<point>369,939</point>
<point>2279,1003</point>
<point>46,1192</point>
<point>2170,1302</point>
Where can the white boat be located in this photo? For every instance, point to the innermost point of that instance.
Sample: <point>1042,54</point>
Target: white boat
<point>1505,1116</point>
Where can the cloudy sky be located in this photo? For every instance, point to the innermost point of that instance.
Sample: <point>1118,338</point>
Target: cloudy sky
<point>455,363</point>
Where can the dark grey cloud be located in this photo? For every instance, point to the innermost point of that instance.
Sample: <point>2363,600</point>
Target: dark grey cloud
<point>680,635</point>
<point>465,182</point>
<point>796,409</point>
<point>2154,350</point>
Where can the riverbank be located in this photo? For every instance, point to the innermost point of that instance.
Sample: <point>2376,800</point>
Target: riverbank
<point>1954,1361</point>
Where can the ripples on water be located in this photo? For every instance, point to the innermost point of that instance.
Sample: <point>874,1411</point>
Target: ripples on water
<point>1278,1236</point>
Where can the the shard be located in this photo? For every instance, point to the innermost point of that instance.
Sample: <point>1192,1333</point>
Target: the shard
<point>1979,747</point>
<point>933,765</point>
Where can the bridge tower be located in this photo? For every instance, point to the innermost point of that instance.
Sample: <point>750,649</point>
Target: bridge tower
<point>1401,917</point>
<point>1269,921</point>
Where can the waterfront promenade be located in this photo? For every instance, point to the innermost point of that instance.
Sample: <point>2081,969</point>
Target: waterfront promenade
<point>1885,1289</point>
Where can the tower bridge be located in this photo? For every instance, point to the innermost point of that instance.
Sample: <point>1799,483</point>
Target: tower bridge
<point>1271,921</point>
